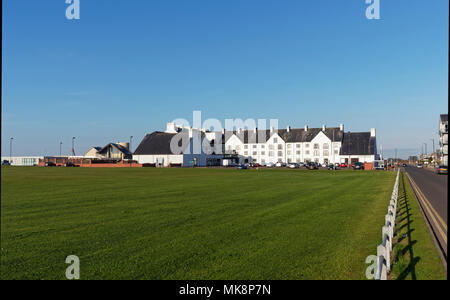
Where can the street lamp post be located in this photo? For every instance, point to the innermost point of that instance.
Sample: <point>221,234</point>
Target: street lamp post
<point>73,146</point>
<point>131,139</point>
<point>10,150</point>
<point>433,154</point>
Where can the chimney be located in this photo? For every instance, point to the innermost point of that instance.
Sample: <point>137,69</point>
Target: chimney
<point>324,127</point>
<point>255,130</point>
<point>288,129</point>
<point>171,128</point>
<point>373,132</point>
<point>239,130</point>
<point>341,127</point>
<point>271,129</point>
<point>223,131</point>
<point>306,127</point>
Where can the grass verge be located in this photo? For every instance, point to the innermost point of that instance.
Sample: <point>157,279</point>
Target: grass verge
<point>414,253</point>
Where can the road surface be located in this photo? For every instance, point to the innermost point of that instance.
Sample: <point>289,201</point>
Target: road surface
<point>431,190</point>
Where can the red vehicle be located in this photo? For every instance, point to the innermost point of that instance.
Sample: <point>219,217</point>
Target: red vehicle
<point>343,165</point>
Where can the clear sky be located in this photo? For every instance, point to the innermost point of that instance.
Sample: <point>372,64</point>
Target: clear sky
<point>128,67</point>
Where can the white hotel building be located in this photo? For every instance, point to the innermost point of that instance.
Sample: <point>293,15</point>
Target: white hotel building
<point>322,145</point>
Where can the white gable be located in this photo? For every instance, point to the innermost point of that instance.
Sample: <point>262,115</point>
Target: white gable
<point>321,138</point>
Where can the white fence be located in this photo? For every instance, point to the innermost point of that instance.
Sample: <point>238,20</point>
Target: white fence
<point>384,250</point>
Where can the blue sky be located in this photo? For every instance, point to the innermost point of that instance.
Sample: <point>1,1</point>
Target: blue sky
<point>127,67</point>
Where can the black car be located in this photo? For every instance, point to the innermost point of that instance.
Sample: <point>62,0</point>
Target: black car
<point>6,163</point>
<point>358,166</point>
<point>312,166</point>
<point>404,165</point>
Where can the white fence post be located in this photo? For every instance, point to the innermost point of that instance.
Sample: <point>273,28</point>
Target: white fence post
<point>387,234</point>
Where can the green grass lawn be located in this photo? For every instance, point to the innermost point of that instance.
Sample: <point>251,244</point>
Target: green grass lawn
<point>191,223</point>
<point>414,254</point>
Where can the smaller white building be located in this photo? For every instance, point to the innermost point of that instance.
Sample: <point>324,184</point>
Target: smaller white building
<point>22,161</point>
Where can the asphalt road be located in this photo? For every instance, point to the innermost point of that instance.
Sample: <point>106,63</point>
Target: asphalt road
<point>433,197</point>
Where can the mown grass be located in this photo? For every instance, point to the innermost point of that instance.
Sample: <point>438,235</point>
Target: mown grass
<point>191,223</point>
<point>414,253</point>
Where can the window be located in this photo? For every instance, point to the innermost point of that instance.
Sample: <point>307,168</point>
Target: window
<point>245,152</point>
<point>316,152</point>
<point>263,146</point>
<point>298,152</point>
<point>280,153</point>
<point>238,148</point>
<point>275,140</point>
<point>307,152</point>
<point>289,146</point>
<point>326,146</point>
<point>289,160</point>
<point>254,146</point>
<point>326,153</point>
<point>299,146</point>
<point>316,146</point>
<point>245,146</point>
<point>307,145</point>
<point>280,147</point>
<point>255,153</point>
<point>336,151</point>
<point>289,152</point>
<point>271,153</point>
<point>271,147</point>
<point>263,153</point>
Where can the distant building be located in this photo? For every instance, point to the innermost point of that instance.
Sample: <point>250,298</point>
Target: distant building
<point>413,159</point>
<point>93,152</point>
<point>116,151</point>
<point>23,161</point>
<point>443,140</point>
<point>322,145</point>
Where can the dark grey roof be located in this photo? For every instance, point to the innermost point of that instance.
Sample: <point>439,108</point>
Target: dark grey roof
<point>155,143</point>
<point>117,146</point>
<point>97,148</point>
<point>293,136</point>
<point>444,118</point>
<point>358,143</point>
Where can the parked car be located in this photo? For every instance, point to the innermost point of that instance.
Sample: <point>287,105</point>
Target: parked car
<point>242,167</point>
<point>294,166</point>
<point>6,163</point>
<point>50,164</point>
<point>312,166</point>
<point>331,167</point>
<point>358,166</point>
<point>270,165</point>
<point>442,170</point>
<point>301,164</point>
<point>343,165</point>
<point>420,166</point>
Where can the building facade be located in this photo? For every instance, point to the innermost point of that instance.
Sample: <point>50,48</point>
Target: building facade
<point>443,140</point>
<point>322,145</point>
<point>23,161</point>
